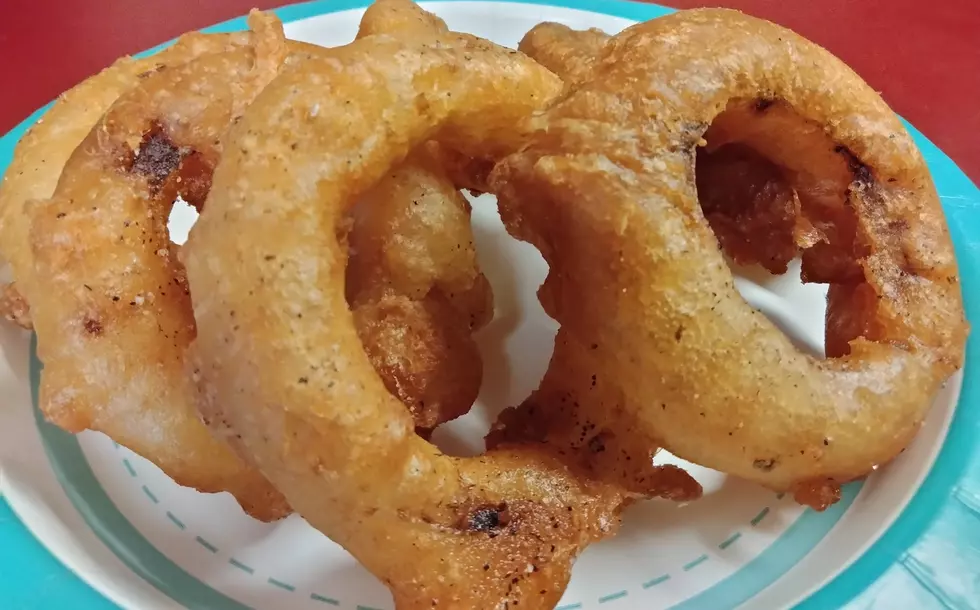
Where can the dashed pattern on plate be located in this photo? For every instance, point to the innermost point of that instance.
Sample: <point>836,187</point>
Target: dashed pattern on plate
<point>214,550</point>
<point>330,601</point>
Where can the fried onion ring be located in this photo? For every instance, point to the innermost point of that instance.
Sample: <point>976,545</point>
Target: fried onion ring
<point>656,345</point>
<point>108,296</point>
<point>278,356</point>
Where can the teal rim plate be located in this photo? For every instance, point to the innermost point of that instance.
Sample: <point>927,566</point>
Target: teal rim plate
<point>85,523</point>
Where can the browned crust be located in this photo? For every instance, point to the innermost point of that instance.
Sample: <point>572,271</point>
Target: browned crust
<point>108,296</point>
<point>608,196</point>
<point>339,446</point>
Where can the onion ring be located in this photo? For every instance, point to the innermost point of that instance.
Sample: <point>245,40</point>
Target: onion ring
<point>109,299</point>
<point>655,342</point>
<point>277,335</point>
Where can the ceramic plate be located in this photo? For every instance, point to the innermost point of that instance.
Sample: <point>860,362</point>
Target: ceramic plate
<point>87,524</point>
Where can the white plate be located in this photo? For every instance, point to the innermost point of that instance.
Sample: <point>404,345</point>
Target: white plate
<point>107,514</point>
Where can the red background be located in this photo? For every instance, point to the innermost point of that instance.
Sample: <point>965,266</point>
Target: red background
<point>922,56</point>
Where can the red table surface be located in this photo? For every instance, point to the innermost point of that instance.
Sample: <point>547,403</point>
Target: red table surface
<point>922,56</point>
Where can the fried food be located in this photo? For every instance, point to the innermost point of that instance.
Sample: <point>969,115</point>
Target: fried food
<point>656,344</point>
<point>482,532</point>
<point>568,53</point>
<point>441,386</point>
<point>416,291</point>
<point>752,210</point>
<point>401,18</point>
<point>44,149</point>
<point>14,307</point>
<point>331,280</point>
<point>413,282</point>
<point>108,296</point>
<point>608,453</point>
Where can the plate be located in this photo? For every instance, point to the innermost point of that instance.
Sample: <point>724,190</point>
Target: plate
<point>124,535</point>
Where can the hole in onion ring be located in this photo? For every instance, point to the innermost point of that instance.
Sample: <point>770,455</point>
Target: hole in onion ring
<point>517,344</point>
<point>776,191</point>
<point>181,172</point>
<point>182,217</point>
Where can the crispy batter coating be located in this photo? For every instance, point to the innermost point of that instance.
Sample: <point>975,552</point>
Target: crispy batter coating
<point>447,366</point>
<point>44,149</point>
<point>745,197</point>
<point>484,532</point>
<point>568,53</point>
<point>404,19</point>
<point>751,208</point>
<point>655,341</point>
<point>14,307</point>
<point>416,291</point>
<point>108,295</point>
<point>413,283</point>
<point>551,415</point>
<point>399,18</point>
